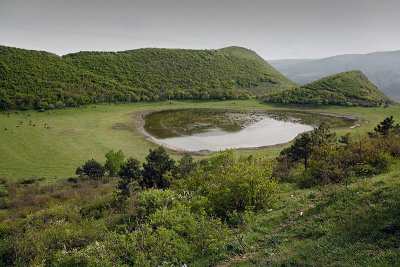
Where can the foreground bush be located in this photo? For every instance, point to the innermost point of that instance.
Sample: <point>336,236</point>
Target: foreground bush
<point>230,187</point>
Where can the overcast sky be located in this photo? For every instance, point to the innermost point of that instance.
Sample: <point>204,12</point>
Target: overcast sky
<point>273,28</point>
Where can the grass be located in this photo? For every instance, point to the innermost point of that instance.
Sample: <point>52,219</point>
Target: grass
<point>63,139</point>
<point>329,226</point>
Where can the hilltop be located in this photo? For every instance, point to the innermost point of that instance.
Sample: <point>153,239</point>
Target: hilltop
<point>381,68</point>
<point>350,88</point>
<point>36,79</point>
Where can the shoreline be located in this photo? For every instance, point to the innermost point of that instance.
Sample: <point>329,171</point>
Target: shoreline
<point>139,120</point>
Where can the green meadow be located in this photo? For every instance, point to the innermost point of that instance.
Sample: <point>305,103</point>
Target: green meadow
<point>53,143</point>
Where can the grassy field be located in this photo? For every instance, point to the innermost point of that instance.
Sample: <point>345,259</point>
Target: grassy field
<point>52,144</point>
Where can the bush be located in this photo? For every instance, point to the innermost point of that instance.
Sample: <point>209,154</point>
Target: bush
<point>233,186</point>
<point>149,201</point>
<point>91,168</point>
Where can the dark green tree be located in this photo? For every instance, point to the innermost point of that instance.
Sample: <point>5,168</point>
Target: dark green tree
<point>114,162</point>
<point>93,169</point>
<point>154,170</point>
<point>303,146</point>
<point>131,176</point>
<point>185,165</point>
<point>385,126</point>
<point>300,150</point>
<point>322,135</point>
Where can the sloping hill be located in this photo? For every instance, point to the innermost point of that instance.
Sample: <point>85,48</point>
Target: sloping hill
<point>332,226</point>
<point>350,88</point>
<point>382,68</point>
<point>33,79</point>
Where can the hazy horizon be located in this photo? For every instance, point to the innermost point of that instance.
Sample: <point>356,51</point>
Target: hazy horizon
<point>274,29</point>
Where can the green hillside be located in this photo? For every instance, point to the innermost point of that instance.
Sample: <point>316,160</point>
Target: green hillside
<point>350,88</point>
<point>34,79</point>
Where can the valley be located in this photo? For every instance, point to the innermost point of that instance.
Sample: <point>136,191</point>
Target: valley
<point>199,133</point>
<point>54,142</point>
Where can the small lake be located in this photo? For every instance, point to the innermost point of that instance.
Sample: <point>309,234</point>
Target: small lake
<point>214,130</point>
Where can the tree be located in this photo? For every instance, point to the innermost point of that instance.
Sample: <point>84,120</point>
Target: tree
<point>300,149</point>
<point>131,175</point>
<point>158,163</point>
<point>93,169</point>
<point>186,165</point>
<point>385,126</point>
<point>114,162</point>
<point>322,135</point>
<point>304,145</point>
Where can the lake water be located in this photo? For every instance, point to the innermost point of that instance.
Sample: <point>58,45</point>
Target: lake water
<point>214,130</point>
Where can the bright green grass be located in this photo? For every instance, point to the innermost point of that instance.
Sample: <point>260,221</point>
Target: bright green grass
<point>79,134</point>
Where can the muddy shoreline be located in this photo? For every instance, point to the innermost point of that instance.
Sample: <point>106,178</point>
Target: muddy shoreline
<point>139,122</point>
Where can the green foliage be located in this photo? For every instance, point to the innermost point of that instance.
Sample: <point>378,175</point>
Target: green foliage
<point>231,187</point>
<point>344,228</point>
<point>185,166</point>
<point>114,160</point>
<point>131,176</point>
<point>386,126</point>
<point>207,236</point>
<point>158,163</point>
<point>186,224</point>
<point>350,88</point>
<point>92,168</point>
<point>149,201</point>
<point>306,143</point>
<point>33,79</point>
<point>328,160</point>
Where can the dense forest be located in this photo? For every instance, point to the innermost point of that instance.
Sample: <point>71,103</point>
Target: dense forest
<point>41,80</point>
<point>350,88</point>
<point>325,200</point>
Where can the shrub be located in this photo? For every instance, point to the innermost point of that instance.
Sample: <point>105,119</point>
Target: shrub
<point>149,201</point>
<point>92,168</point>
<point>233,186</point>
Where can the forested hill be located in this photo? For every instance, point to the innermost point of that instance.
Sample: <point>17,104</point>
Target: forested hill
<point>350,88</point>
<point>34,79</point>
<point>381,68</point>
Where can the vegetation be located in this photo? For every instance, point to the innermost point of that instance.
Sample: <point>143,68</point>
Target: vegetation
<point>326,199</point>
<point>327,160</point>
<point>131,177</point>
<point>52,144</point>
<point>200,213</point>
<point>41,80</point>
<point>386,127</point>
<point>350,88</point>
<point>148,227</point>
<point>114,162</point>
<point>92,169</point>
<point>156,169</point>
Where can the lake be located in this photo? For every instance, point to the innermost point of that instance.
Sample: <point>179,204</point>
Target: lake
<point>214,129</point>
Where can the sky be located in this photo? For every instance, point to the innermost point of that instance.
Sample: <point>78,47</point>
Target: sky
<point>275,29</point>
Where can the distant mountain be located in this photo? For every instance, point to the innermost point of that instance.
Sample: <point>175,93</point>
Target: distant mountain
<point>382,68</point>
<point>35,79</point>
<point>350,88</point>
